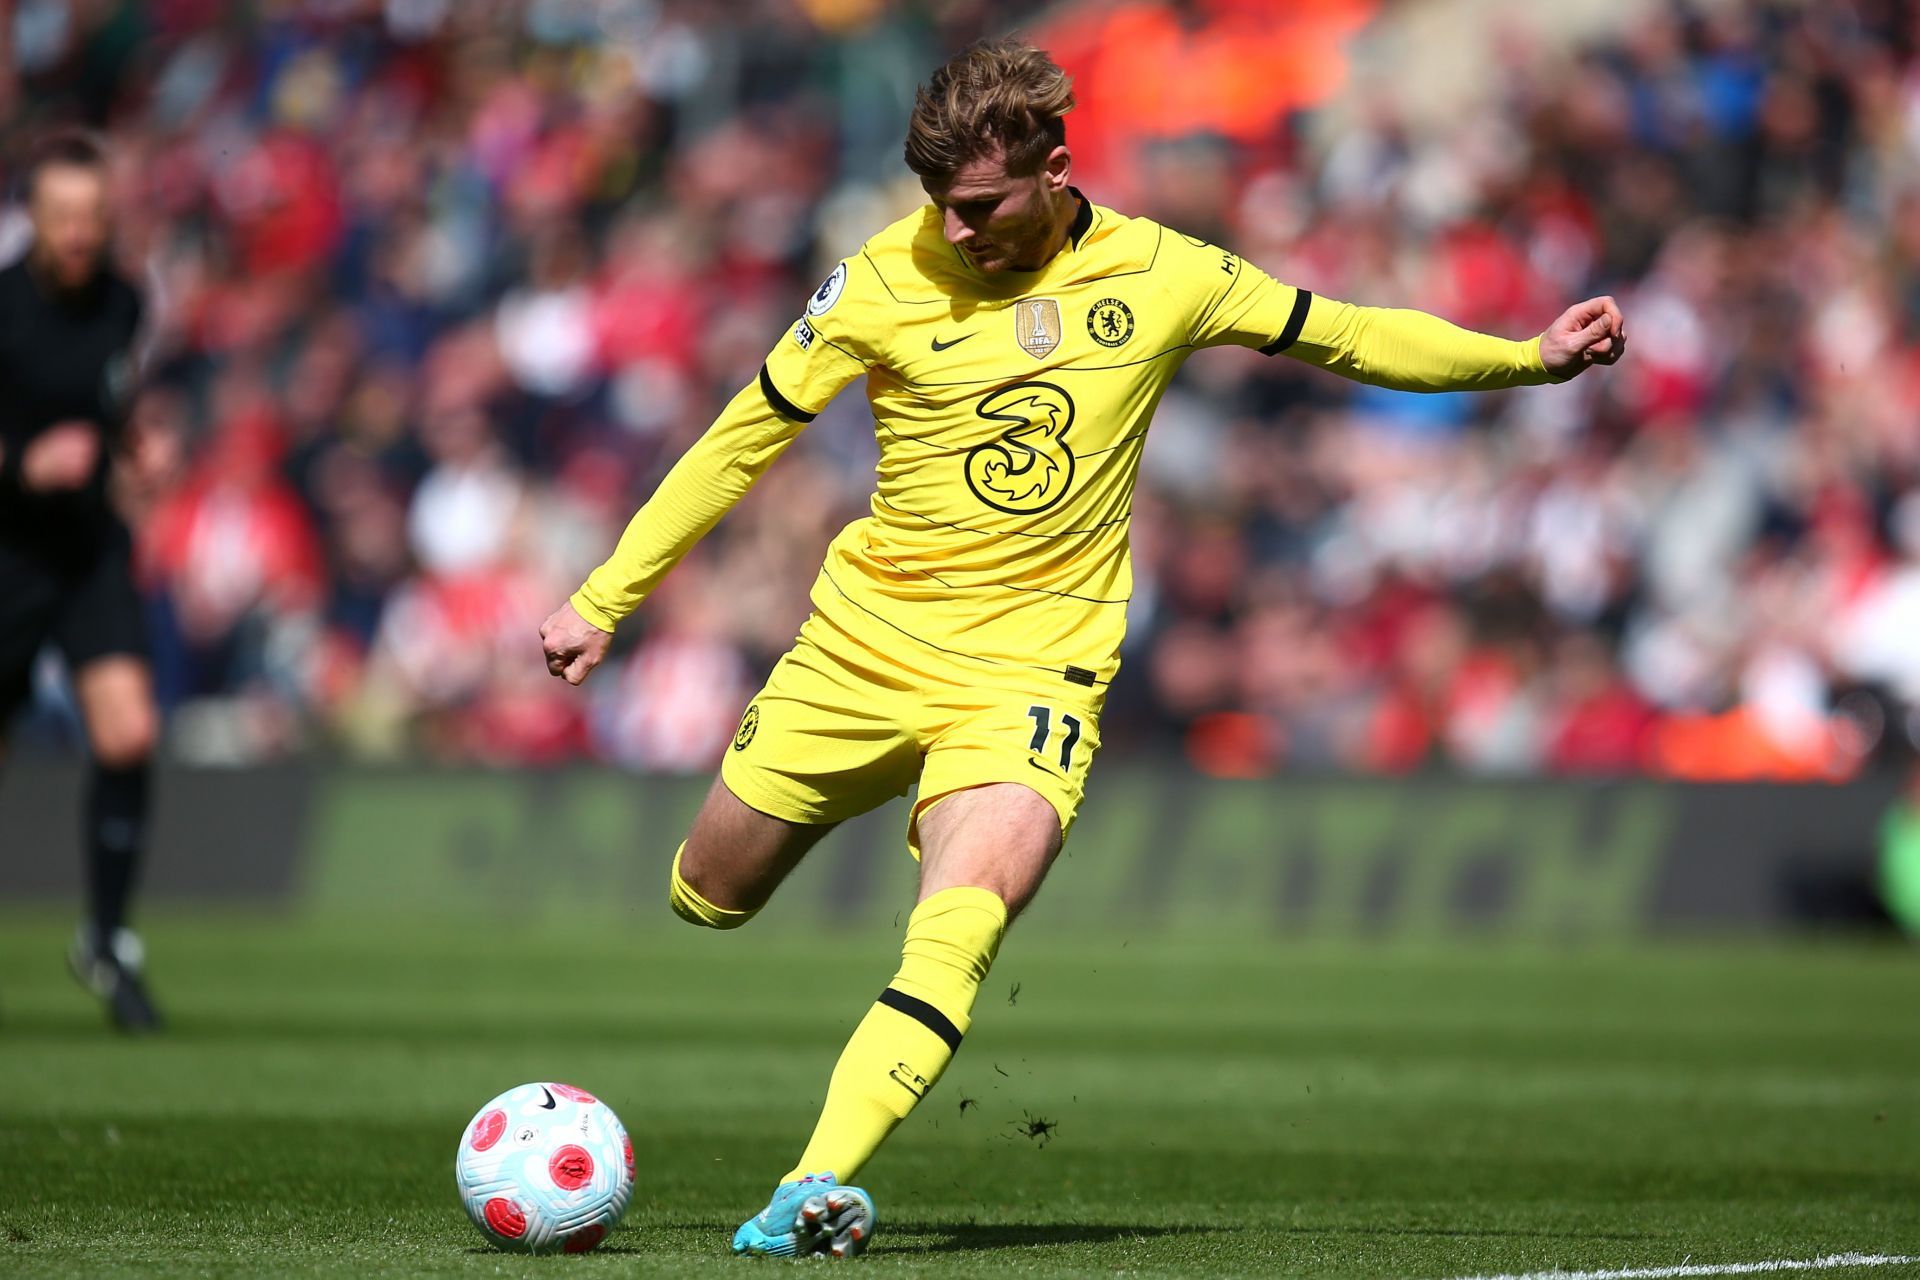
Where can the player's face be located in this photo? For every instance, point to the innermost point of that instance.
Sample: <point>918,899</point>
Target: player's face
<point>1003,221</point>
<point>69,211</point>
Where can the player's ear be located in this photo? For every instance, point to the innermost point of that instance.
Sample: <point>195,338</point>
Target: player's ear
<point>1058,168</point>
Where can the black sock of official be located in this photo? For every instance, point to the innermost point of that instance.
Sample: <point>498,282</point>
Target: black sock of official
<point>116,828</point>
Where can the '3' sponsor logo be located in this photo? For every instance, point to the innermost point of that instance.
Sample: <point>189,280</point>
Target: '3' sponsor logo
<point>1029,466</point>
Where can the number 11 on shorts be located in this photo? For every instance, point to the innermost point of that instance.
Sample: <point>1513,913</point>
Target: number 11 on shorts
<point>1043,729</point>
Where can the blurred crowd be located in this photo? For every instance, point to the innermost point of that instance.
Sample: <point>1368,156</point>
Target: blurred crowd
<point>440,290</point>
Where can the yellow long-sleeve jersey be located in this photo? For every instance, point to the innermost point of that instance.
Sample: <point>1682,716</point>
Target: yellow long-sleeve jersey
<point>1011,411</point>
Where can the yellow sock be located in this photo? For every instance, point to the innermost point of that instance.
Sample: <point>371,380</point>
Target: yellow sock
<point>906,1040</point>
<point>694,909</point>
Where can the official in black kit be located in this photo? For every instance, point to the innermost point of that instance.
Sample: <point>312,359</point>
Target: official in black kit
<point>67,367</point>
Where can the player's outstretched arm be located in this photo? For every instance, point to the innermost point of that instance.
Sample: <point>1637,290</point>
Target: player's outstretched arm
<point>704,485</point>
<point>822,353</point>
<point>1234,302</point>
<point>1413,351</point>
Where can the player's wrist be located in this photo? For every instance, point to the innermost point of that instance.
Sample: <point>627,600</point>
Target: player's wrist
<point>1536,360</point>
<point>592,614</point>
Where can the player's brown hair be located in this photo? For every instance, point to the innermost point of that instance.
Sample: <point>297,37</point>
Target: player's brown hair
<point>993,95</point>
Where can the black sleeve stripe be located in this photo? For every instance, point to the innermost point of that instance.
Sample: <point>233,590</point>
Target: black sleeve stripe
<point>923,1013</point>
<point>781,405</point>
<point>1302,299</point>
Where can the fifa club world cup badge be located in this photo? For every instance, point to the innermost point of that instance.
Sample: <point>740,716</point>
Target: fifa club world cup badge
<point>1036,326</point>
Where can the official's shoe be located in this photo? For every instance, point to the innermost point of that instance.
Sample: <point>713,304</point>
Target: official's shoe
<point>814,1215</point>
<point>113,974</point>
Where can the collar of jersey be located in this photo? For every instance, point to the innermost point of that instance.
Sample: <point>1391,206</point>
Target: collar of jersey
<point>1014,283</point>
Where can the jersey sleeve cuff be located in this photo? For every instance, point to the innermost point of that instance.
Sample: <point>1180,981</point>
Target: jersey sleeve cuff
<point>1535,365</point>
<point>592,612</point>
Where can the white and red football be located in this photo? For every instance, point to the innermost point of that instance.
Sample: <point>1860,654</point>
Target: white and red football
<point>545,1168</point>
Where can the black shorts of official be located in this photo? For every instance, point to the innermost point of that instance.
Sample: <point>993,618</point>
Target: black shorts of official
<point>86,607</point>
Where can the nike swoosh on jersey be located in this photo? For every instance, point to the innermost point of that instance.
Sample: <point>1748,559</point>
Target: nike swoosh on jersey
<point>942,346</point>
<point>1044,769</point>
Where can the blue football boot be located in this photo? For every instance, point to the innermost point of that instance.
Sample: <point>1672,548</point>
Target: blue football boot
<point>814,1215</point>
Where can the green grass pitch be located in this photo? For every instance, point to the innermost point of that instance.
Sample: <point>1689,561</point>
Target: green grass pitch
<point>1241,1107</point>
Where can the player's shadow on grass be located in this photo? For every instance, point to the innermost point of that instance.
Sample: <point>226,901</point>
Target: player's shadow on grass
<point>931,1237</point>
<point>971,1237</point>
<point>487,1250</point>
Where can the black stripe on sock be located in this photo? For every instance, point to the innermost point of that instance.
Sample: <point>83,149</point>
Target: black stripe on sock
<point>923,1013</point>
<point>781,405</point>
<point>1302,299</point>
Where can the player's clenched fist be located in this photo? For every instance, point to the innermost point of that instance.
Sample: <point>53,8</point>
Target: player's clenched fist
<point>574,646</point>
<point>1587,333</point>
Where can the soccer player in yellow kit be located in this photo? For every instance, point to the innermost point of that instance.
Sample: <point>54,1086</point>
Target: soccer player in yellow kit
<point>1015,338</point>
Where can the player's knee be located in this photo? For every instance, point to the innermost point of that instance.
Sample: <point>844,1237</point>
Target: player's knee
<point>690,901</point>
<point>694,909</point>
<point>126,739</point>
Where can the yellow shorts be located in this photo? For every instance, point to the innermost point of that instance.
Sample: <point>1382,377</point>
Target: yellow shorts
<point>840,728</point>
